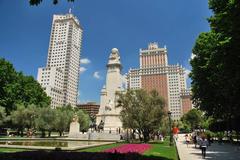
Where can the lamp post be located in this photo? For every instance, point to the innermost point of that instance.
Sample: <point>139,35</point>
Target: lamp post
<point>170,128</point>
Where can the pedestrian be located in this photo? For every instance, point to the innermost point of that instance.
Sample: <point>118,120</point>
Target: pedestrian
<point>195,140</point>
<point>209,139</point>
<point>187,139</point>
<point>203,145</point>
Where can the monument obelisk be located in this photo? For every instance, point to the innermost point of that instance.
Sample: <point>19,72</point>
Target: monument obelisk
<point>108,113</point>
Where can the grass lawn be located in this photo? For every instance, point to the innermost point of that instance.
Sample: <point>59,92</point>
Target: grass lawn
<point>100,148</point>
<point>158,151</point>
<point>10,150</point>
<point>162,150</point>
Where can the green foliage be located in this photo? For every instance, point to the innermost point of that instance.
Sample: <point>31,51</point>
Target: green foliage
<point>23,117</point>
<point>63,120</point>
<point>2,116</point>
<point>8,77</point>
<point>184,126</point>
<point>45,119</point>
<point>193,118</point>
<point>16,88</point>
<point>37,2</point>
<point>215,67</point>
<point>84,120</point>
<point>141,111</point>
<point>32,93</point>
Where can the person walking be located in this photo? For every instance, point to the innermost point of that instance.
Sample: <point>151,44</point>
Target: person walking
<point>187,137</point>
<point>203,145</point>
<point>195,140</point>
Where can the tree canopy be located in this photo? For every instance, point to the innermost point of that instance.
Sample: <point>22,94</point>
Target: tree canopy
<point>16,88</point>
<point>37,2</point>
<point>215,67</point>
<point>194,118</point>
<point>84,120</point>
<point>2,116</point>
<point>141,112</point>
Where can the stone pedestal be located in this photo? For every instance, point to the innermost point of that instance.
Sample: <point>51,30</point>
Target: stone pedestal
<point>112,122</point>
<point>104,136</point>
<point>74,131</point>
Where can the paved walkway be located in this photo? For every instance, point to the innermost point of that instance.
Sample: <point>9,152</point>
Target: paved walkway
<point>214,152</point>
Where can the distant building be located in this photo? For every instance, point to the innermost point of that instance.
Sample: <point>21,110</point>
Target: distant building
<point>91,108</point>
<point>186,101</point>
<point>156,73</point>
<point>61,75</point>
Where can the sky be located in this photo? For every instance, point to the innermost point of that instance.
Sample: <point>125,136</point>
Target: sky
<point>124,24</point>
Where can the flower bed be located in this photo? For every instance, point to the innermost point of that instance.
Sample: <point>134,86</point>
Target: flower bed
<point>129,148</point>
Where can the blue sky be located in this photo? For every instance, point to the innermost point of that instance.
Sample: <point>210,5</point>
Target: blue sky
<point>125,24</point>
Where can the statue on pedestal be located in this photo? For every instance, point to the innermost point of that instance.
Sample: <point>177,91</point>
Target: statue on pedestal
<point>100,127</point>
<point>74,130</point>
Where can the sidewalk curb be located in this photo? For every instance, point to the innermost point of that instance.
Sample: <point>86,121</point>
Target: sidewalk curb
<point>176,149</point>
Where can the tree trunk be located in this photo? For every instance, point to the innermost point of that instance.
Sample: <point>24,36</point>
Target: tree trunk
<point>43,134</point>
<point>60,133</point>
<point>127,136</point>
<point>140,135</point>
<point>21,132</point>
<point>145,136</point>
<point>49,133</point>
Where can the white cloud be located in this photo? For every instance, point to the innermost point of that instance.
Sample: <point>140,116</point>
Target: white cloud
<point>82,69</point>
<point>96,75</point>
<point>187,72</point>
<point>85,61</point>
<point>192,56</point>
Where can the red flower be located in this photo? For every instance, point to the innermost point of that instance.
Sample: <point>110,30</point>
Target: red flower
<point>126,148</point>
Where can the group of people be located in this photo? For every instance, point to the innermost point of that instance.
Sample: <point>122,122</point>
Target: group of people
<point>199,139</point>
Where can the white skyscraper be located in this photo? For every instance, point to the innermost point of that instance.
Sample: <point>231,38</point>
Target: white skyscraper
<point>61,75</point>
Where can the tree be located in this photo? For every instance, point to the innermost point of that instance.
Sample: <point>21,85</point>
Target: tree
<point>84,120</point>
<point>141,112</point>
<point>194,118</point>
<point>8,76</point>
<point>216,70</point>
<point>2,116</point>
<point>16,88</point>
<point>63,120</point>
<point>37,2</point>
<point>22,118</point>
<point>45,120</point>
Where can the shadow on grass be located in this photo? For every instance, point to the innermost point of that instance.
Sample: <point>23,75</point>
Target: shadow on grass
<point>64,155</point>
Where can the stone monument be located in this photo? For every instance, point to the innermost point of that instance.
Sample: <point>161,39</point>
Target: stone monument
<point>108,113</point>
<point>74,130</point>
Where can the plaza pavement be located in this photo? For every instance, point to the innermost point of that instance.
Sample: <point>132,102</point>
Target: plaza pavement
<point>214,152</point>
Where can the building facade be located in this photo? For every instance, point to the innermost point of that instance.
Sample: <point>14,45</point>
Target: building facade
<point>186,100</point>
<point>91,108</point>
<point>64,60</point>
<point>156,73</point>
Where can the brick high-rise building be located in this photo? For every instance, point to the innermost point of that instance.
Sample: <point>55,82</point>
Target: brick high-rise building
<point>61,75</point>
<point>186,101</point>
<point>156,73</point>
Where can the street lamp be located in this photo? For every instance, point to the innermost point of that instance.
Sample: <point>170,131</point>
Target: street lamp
<point>170,128</point>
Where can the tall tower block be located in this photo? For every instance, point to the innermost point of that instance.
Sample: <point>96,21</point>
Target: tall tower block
<point>63,63</point>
